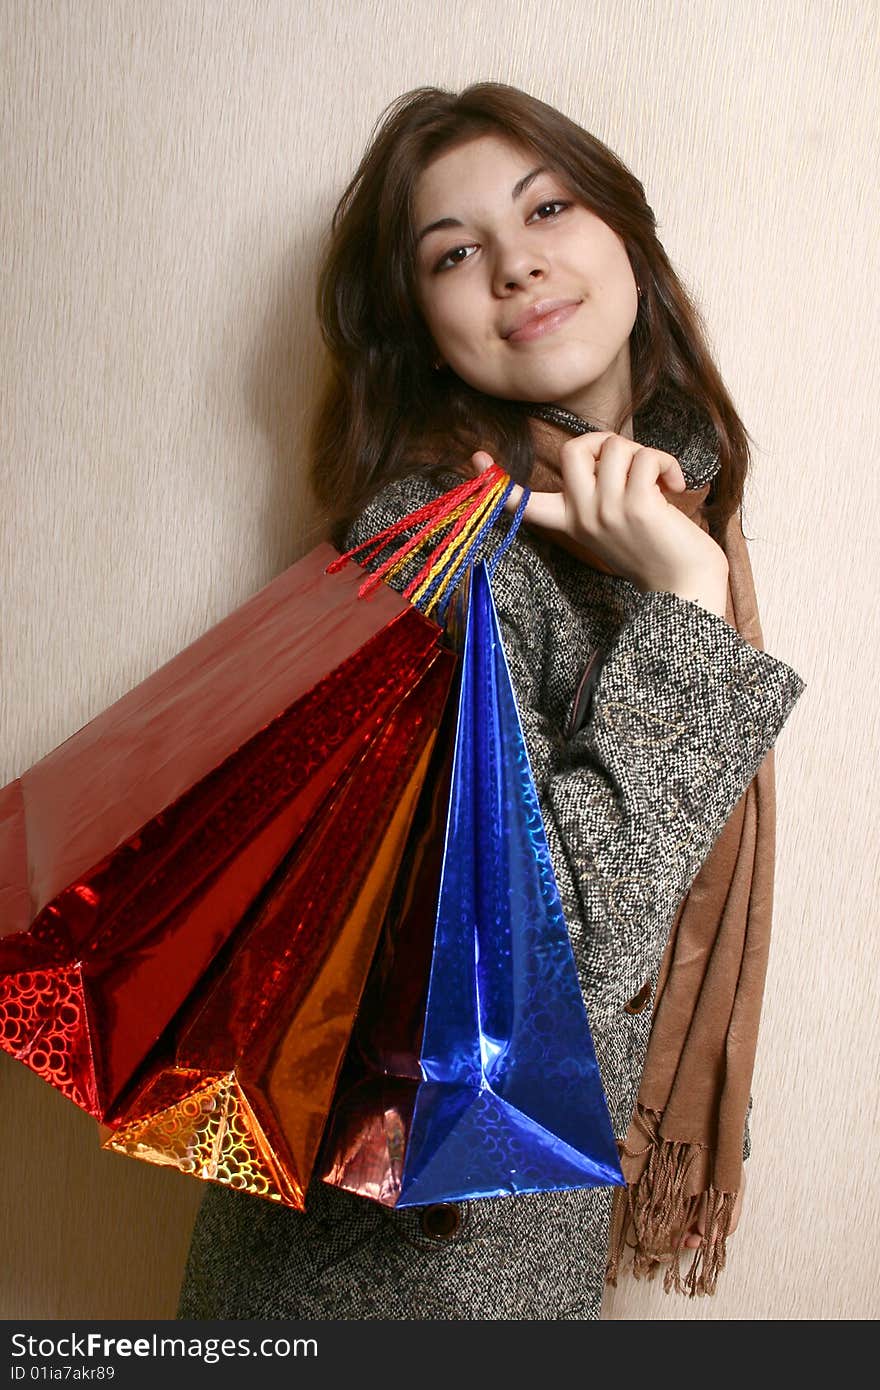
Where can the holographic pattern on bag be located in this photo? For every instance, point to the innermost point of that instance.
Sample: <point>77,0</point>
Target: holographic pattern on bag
<point>512,1100</point>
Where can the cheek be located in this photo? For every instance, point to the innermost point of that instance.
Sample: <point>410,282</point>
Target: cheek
<point>454,319</point>
<point>618,270</point>
<point>603,259</point>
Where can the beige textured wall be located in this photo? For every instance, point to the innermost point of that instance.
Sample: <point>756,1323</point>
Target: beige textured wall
<point>167,169</point>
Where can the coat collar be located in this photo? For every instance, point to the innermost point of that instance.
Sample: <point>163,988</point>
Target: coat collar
<point>667,422</point>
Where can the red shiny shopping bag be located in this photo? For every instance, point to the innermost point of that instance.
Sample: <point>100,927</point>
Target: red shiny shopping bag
<point>241,1091</point>
<point>131,853</point>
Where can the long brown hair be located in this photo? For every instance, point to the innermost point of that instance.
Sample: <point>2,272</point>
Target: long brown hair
<point>383,412</point>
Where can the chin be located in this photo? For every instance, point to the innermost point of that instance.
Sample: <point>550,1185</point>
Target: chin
<point>558,380</point>
<point>555,389</point>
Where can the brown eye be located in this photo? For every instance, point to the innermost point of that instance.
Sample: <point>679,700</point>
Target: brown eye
<point>441,264</point>
<point>552,203</point>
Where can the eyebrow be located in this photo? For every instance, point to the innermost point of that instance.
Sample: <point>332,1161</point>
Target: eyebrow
<point>516,192</point>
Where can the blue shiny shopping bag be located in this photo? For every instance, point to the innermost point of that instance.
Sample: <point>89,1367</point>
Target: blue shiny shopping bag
<point>500,1091</point>
<point>511,1098</point>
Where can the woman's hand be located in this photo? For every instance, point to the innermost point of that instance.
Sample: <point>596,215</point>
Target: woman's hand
<point>612,505</point>
<point>695,1235</point>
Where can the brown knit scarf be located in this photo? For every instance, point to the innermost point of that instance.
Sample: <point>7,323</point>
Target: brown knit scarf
<point>682,1154</point>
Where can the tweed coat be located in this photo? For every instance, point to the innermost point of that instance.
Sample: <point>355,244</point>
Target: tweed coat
<point>637,767</point>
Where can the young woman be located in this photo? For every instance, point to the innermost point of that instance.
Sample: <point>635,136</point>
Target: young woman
<point>494,290</point>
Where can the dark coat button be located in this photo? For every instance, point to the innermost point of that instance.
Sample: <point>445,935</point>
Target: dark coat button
<point>441,1220</point>
<point>638,1001</point>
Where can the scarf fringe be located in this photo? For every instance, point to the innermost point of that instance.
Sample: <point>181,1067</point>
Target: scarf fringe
<point>651,1216</point>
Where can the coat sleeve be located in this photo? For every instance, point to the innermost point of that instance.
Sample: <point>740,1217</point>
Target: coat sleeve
<point>684,711</point>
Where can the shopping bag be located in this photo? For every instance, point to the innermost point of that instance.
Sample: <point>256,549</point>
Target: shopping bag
<point>244,1089</point>
<point>482,1081</point>
<point>130,854</point>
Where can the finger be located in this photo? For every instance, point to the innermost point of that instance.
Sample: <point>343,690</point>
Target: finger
<point>483,461</point>
<point>671,474</point>
<point>613,472</point>
<point>580,462</point>
<point>651,468</point>
<point>542,509</point>
<point>673,479</point>
<point>581,458</point>
<point>596,468</point>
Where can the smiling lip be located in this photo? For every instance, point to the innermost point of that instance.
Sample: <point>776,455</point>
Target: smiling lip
<point>543,318</point>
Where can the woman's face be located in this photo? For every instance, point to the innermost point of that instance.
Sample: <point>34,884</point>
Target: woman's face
<point>517,242</point>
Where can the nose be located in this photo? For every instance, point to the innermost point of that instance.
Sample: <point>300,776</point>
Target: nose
<point>516,266</point>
